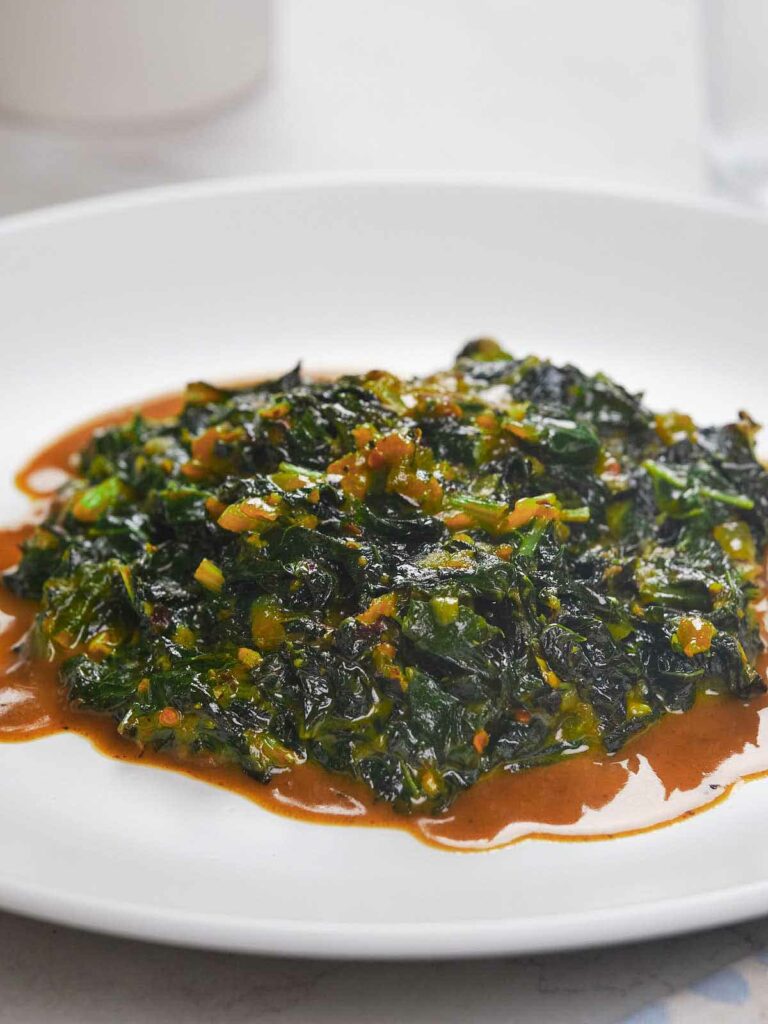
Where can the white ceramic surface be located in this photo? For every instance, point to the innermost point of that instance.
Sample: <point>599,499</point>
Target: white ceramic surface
<point>107,301</point>
<point>112,62</point>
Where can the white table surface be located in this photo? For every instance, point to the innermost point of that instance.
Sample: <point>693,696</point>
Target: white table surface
<point>594,91</point>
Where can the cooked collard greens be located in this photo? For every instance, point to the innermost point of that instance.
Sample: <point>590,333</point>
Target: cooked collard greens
<point>410,582</point>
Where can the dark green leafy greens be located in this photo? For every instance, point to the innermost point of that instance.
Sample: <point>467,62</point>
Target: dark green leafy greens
<point>408,582</point>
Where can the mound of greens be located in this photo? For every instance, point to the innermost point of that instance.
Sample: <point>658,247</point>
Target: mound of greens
<point>411,582</point>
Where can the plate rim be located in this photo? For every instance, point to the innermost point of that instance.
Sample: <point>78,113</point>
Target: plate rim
<point>240,185</point>
<point>399,940</point>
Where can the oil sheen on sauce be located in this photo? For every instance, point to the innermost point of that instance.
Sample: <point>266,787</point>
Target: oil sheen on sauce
<point>680,766</point>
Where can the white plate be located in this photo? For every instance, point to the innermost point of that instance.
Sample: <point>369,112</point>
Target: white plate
<point>106,301</point>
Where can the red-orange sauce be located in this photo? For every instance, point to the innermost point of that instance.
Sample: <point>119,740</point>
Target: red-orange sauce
<point>682,751</point>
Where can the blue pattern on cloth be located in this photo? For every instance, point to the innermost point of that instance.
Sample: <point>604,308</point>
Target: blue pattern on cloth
<point>737,993</point>
<point>726,986</point>
<point>656,1013</point>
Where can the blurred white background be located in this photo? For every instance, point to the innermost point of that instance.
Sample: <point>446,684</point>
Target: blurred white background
<point>594,90</point>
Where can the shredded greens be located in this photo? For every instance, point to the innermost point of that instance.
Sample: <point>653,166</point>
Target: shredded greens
<point>411,582</point>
